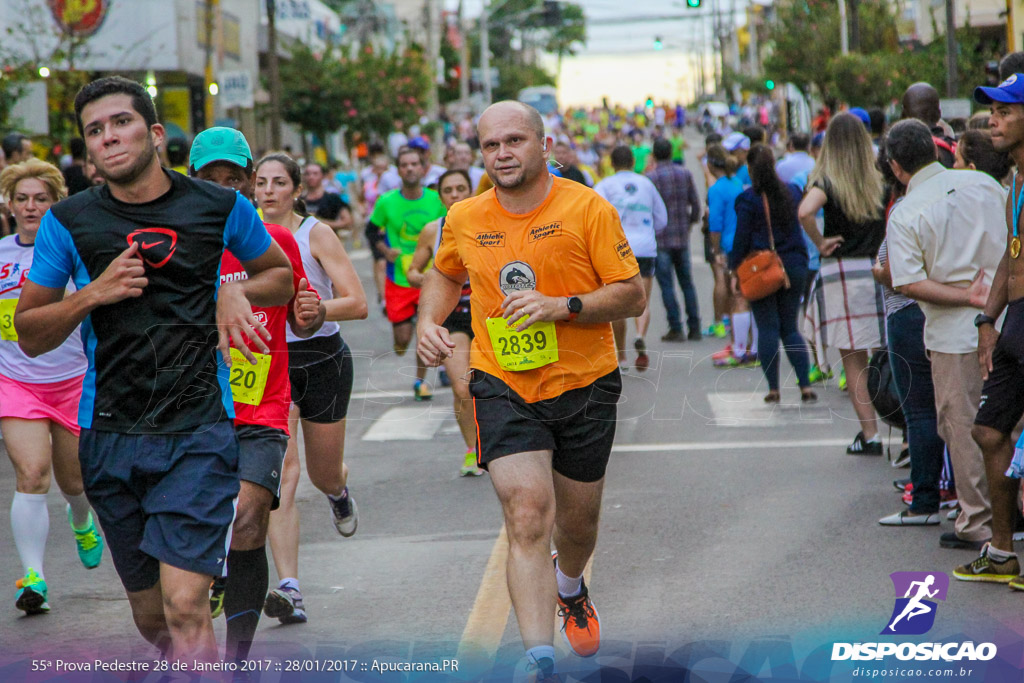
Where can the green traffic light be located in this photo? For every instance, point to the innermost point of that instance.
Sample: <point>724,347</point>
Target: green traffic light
<point>693,3</point>
<point>657,44</point>
<point>770,84</point>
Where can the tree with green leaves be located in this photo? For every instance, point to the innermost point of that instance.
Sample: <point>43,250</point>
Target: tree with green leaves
<point>875,73</point>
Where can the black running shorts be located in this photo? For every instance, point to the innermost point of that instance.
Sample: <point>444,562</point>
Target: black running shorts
<point>320,370</point>
<point>647,265</point>
<point>578,426</point>
<point>1002,395</point>
<point>261,457</point>
<point>460,320</point>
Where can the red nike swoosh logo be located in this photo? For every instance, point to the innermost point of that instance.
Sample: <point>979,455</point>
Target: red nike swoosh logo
<point>147,245</point>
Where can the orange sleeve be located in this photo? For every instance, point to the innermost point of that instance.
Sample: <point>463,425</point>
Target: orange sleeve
<point>609,249</point>
<point>447,259</point>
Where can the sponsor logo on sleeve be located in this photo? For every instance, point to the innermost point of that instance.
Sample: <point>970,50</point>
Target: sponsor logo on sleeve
<point>623,250</point>
<point>544,231</point>
<point>490,239</point>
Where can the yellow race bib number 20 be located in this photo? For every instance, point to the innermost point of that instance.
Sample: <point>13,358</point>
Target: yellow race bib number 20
<point>248,382</point>
<point>534,347</point>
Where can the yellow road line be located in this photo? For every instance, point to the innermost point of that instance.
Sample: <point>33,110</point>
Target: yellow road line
<point>488,618</point>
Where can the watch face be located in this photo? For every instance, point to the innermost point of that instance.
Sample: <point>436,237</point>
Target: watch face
<point>575,304</point>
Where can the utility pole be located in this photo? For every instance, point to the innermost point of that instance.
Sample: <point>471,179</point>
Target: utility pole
<point>854,25</point>
<point>844,29</point>
<point>275,76</point>
<point>434,51</point>
<point>951,79</point>
<point>211,8</point>
<point>753,21</point>
<point>464,59</point>
<point>485,54</point>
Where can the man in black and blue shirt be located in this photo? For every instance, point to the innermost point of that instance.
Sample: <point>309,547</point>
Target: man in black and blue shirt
<point>158,451</point>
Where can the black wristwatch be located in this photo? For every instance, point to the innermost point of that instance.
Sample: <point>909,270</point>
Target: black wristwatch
<point>575,305</point>
<point>982,319</point>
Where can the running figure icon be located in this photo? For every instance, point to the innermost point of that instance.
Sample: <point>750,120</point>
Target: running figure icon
<point>915,607</point>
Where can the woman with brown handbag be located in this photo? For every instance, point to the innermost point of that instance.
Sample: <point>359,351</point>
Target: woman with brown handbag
<point>766,221</point>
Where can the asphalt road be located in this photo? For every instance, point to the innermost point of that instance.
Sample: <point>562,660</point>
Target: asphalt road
<point>736,540</point>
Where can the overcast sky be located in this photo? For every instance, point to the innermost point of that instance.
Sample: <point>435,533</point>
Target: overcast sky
<point>620,61</point>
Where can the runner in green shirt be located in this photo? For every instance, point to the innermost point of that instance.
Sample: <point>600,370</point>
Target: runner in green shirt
<point>398,218</point>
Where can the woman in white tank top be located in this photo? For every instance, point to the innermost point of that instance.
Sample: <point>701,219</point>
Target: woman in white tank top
<point>320,370</point>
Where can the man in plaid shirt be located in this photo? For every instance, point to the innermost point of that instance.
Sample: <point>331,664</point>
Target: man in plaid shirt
<point>676,187</point>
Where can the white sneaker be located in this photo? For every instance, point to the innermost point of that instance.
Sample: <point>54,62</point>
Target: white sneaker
<point>345,513</point>
<point>905,518</point>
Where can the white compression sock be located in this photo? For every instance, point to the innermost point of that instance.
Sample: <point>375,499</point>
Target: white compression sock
<point>30,522</point>
<point>79,510</point>
<point>740,330</point>
<point>567,585</point>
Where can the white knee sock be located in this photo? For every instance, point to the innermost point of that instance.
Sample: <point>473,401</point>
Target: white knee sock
<point>740,330</point>
<point>79,510</point>
<point>30,523</point>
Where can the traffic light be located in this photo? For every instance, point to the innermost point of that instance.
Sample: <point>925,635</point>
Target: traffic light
<point>770,84</point>
<point>650,103</point>
<point>657,43</point>
<point>693,3</point>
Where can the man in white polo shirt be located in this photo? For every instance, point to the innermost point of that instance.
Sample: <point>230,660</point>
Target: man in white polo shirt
<point>945,241</point>
<point>643,214</point>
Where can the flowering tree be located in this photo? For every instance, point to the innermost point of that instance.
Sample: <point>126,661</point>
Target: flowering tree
<point>363,93</point>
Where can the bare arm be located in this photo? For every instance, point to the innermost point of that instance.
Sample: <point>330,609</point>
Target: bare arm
<point>882,273</point>
<point>270,278</point>
<point>932,292</point>
<point>343,221</point>
<point>269,284</point>
<point>307,313</point>
<point>45,317</point>
<point>420,257</point>
<point>349,302</point>
<point>438,297</point>
<point>812,202</point>
<point>998,295</point>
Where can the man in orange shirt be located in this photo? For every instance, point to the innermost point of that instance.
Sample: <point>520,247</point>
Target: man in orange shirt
<point>550,268</point>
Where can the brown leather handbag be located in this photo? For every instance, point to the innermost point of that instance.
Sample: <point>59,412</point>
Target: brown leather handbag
<point>761,273</point>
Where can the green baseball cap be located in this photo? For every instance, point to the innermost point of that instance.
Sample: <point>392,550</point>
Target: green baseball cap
<point>219,144</point>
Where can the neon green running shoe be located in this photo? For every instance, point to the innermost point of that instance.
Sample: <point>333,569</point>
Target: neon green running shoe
<point>31,595</point>
<point>816,376</point>
<point>89,542</point>
<point>719,330</point>
<point>842,380</point>
<point>469,468</point>
<point>217,588</point>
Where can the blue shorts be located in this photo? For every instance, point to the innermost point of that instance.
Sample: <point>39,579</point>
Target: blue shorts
<point>163,498</point>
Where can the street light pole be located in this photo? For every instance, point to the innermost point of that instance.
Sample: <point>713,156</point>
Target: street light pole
<point>951,49</point>
<point>485,54</point>
<point>275,76</point>
<point>844,31</point>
